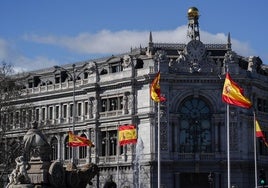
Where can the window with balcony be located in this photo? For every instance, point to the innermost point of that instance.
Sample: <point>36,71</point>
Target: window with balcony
<point>112,104</point>
<point>195,127</point>
<point>109,143</point>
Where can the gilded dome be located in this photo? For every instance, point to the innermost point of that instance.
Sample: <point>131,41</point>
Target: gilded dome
<point>193,12</point>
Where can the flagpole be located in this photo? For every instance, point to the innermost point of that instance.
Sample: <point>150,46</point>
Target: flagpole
<point>228,139</point>
<point>117,156</point>
<point>158,157</point>
<point>255,149</point>
<point>228,146</point>
<point>158,144</point>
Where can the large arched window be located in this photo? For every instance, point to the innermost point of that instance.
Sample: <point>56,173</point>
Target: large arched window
<point>54,146</point>
<point>195,126</point>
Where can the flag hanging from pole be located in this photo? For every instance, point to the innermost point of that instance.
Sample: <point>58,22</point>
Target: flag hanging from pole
<point>127,134</point>
<point>76,141</point>
<point>233,94</point>
<point>259,133</point>
<point>155,91</point>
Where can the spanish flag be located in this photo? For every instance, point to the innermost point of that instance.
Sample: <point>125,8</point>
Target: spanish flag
<point>155,90</point>
<point>259,133</point>
<point>76,141</point>
<point>127,134</point>
<point>233,94</point>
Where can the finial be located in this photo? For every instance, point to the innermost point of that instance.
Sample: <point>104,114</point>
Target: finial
<point>193,13</point>
<point>229,44</point>
<point>150,37</point>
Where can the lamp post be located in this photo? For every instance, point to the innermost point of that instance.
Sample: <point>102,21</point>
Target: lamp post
<point>74,76</point>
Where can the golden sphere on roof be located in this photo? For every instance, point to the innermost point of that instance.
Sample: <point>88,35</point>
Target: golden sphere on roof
<point>193,12</point>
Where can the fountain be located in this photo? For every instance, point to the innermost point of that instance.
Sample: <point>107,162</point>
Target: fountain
<point>137,161</point>
<point>35,169</point>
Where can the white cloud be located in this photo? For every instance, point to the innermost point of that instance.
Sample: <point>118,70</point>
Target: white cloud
<point>24,64</point>
<point>20,62</point>
<point>107,42</point>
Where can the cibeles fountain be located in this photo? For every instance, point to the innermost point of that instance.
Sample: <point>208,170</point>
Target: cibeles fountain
<point>35,169</point>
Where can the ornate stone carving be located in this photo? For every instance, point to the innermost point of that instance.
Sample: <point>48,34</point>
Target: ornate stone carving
<point>127,60</point>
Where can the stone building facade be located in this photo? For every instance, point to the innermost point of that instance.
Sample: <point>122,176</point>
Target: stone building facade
<point>105,93</point>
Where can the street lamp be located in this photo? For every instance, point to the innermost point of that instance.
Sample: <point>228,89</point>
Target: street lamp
<point>74,76</point>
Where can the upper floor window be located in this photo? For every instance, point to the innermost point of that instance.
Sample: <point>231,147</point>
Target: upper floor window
<point>195,127</point>
<point>57,112</point>
<point>79,109</point>
<point>37,112</point>
<point>64,111</point>
<point>43,114</point>
<point>86,108</point>
<point>111,104</point>
<point>50,113</point>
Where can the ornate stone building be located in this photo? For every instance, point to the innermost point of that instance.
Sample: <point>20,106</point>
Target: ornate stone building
<point>104,93</point>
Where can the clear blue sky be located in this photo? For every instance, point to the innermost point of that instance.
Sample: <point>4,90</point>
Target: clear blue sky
<point>38,34</point>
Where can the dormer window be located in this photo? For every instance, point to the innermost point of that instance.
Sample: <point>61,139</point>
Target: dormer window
<point>116,67</point>
<point>34,82</point>
<point>139,64</point>
<point>61,77</point>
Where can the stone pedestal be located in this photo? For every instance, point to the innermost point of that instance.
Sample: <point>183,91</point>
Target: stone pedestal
<point>38,172</point>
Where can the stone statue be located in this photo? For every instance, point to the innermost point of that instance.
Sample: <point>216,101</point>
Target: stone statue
<point>36,145</point>
<point>19,174</point>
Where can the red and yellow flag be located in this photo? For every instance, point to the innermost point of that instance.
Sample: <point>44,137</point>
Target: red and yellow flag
<point>259,133</point>
<point>127,134</point>
<point>155,91</point>
<point>233,94</point>
<point>76,141</point>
